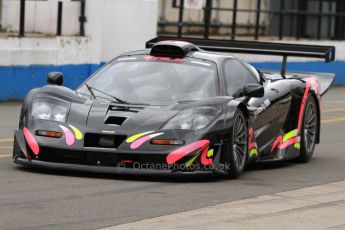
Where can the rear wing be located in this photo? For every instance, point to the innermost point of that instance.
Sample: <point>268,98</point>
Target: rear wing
<point>325,80</point>
<point>253,47</point>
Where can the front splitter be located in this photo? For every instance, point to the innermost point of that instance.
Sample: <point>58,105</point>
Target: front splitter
<point>98,169</point>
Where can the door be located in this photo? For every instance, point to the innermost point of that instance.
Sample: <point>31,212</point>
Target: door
<point>267,112</point>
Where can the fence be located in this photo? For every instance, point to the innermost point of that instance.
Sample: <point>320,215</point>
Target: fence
<point>60,7</point>
<point>329,16</point>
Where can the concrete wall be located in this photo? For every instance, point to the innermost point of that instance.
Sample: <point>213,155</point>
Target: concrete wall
<point>127,25</point>
<point>113,27</point>
<point>26,62</point>
<point>41,17</point>
<point>46,51</point>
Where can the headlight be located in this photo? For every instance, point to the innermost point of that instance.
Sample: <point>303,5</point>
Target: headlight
<point>50,109</point>
<point>193,119</point>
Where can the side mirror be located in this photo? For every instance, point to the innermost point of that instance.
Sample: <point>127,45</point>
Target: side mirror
<point>254,90</point>
<point>55,78</point>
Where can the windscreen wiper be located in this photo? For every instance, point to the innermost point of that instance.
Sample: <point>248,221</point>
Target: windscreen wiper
<point>109,95</point>
<point>186,101</point>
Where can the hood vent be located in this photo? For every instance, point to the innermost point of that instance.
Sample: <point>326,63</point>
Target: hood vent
<point>125,108</point>
<point>115,120</point>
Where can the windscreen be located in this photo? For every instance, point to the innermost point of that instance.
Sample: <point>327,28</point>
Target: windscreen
<point>156,80</point>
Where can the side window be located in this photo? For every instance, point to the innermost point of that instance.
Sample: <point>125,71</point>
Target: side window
<point>237,76</point>
<point>254,72</point>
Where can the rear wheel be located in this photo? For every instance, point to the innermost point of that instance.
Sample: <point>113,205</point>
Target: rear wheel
<point>309,130</point>
<point>239,142</point>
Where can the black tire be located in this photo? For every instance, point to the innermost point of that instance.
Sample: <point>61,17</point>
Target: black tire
<point>238,146</point>
<point>309,130</point>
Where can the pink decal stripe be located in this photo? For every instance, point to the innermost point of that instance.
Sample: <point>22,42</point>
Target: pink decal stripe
<point>251,144</point>
<point>136,144</point>
<point>31,142</point>
<point>277,142</point>
<point>185,150</point>
<point>68,135</point>
<point>304,100</point>
<point>318,91</point>
<point>204,160</point>
<point>290,142</point>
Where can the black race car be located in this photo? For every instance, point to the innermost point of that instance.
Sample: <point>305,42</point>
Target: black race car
<point>182,105</point>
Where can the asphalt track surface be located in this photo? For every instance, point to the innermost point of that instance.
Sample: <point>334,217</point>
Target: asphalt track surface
<point>46,199</point>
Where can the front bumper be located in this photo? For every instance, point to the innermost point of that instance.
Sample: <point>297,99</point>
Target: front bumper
<point>104,169</point>
<point>100,160</point>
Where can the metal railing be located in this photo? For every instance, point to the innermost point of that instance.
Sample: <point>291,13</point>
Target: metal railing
<point>335,18</point>
<point>60,7</point>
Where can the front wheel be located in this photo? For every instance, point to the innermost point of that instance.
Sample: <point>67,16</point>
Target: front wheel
<point>237,155</point>
<point>309,130</point>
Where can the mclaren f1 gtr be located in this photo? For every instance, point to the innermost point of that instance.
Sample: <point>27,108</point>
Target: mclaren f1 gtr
<point>181,105</point>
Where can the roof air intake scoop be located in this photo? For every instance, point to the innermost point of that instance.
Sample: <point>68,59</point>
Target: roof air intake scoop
<point>173,49</point>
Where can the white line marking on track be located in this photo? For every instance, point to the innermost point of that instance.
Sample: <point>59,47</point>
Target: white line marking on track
<point>6,140</point>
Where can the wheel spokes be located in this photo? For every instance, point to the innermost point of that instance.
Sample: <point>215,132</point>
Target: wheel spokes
<point>240,129</point>
<point>239,141</point>
<point>238,157</point>
<point>310,126</point>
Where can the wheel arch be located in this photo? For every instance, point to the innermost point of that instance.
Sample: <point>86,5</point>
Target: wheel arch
<point>232,107</point>
<point>245,111</point>
<point>315,97</point>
